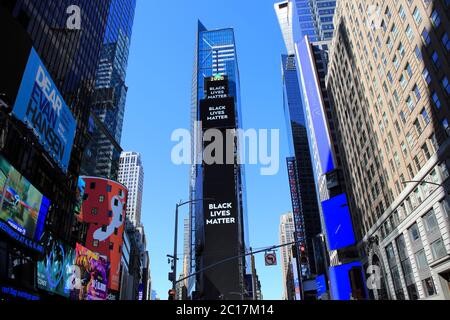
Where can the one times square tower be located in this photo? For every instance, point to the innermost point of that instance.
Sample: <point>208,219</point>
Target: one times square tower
<point>218,213</point>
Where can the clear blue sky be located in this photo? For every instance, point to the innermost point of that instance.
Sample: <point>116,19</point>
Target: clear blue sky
<point>159,80</point>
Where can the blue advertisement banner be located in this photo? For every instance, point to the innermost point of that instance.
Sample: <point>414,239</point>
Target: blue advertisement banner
<point>314,104</point>
<point>40,106</point>
<point>340,284</point>
<point>338,222</point>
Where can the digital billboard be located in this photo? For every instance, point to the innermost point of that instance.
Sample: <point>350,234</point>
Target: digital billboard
<point>314,106</point>
<point>216,87</point>
<point>338,222</point>
<point>41,107</point>
<point>22,206</point>
<point>340,285</point>
<point>81,187</point>
<point>92,271</point>
<point>55,270</point>
<point>104,210</point>
<point>218,113</point>
<point>221,213</point>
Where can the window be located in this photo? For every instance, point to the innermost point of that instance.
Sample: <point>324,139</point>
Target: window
<point>426,75</point>
<point>104,228</point>
<point>438,249</point>
<point>108,188</point>
<point>426,151</point>
<point>116,231</point>
<point>94,211</point>
<point>436,100</point>
<point>446,126</point>
<point>95,243</point>
<point>403,81</point>
<point>410,103</point>
<point>101,199</point>
<point>446,84</point>
<point>417,16</point>
<point>430,222</point>
<point>418,53</point>
<point>445,41</point>
<point>92,185</point>
<point>111,246</point>
<point>428,287</point>
<point>402,13</point>
<point>418,127</point>
<point>417,92</point>
<point>426,36</point>
<point>396,62</point>
<point>421,260</point>
<point>435,58</point>
<point>435,19</point>
<point>425,116</point>
<point>414,233</point>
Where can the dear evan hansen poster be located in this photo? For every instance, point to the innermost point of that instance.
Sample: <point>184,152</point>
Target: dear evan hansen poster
<point>42,108</point>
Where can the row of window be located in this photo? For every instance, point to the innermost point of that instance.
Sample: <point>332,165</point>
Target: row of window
<point>437,248</point>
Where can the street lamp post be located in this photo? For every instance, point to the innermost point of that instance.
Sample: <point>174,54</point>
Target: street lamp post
<point>173,276</point>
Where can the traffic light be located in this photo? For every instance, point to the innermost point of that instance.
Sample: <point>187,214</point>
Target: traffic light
<point>172,294</point>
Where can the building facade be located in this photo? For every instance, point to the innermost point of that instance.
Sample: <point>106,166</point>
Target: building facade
<point>101,157</point>
<point>70,58</point>
<point>299,19</point>
<point>131,174</point>
<point>389,82</point>
<point>286,235</point>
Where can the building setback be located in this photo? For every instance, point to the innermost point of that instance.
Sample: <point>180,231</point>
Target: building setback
<point>389,83</point>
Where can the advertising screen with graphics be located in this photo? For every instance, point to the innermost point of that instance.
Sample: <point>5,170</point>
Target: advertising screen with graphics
<point>218,113</point>
<point>40,106</point>
<point>92,272</point>
<point>107,200</point>
<point>55,270</point>
<point>338,222</point>
<point>81,187</point>
<point>22,206</point>
<point>216,87</point>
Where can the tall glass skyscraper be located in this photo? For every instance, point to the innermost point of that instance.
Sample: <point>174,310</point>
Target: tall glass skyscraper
<point>299,19</point>
<point>71,58</point>
<point>215,57</point>
<point>102,155</point>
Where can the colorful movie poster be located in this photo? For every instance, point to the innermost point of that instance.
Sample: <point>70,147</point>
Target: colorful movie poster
<point>92,276</point>
<point>54,272</point>
<point>22,206</point>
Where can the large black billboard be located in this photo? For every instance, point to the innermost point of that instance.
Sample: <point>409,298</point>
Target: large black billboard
<point>221,213</point>
<point>216,87</point>
<point>218,113</point>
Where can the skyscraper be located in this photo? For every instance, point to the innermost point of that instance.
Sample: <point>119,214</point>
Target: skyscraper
<point>299,19</point>
<point>220,186</point>
<point>286,235</point>
<point>102,154</point>
<point>131,175</point>
<point>389,83</point>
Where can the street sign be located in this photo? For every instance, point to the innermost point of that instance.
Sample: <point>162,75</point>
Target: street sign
<point>271,259</point>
